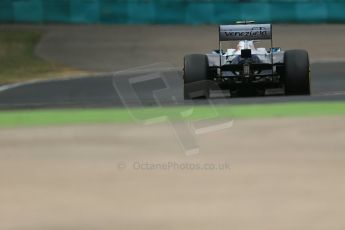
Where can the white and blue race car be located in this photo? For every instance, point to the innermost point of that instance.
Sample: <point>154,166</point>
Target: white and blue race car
<point>245,68</point>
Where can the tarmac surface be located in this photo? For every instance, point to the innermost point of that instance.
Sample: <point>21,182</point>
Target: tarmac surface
<point>155,85</point>
<point>151,57</point>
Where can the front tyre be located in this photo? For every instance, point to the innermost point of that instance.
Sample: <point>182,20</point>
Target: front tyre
<point>196,81</point>
<point>297,78</point>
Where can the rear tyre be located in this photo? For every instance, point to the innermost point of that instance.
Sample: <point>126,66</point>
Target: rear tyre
<point>196,81</point>
<point>297,78</point>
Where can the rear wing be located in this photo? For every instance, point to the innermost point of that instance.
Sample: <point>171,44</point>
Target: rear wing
<point>245,32</point>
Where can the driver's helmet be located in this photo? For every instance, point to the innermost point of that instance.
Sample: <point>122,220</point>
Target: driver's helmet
<point>245,44</point>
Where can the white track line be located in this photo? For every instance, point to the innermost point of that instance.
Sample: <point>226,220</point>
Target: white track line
<point>156,66</point>
<point>4,88</point>
<point>335,93</point>
<point>12,86</point>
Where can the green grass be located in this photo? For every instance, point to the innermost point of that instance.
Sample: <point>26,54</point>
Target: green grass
<point>18,62</point>
<point>99,116</point>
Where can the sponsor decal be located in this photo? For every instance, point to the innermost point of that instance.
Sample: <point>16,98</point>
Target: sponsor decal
<point>255,32</point>
<point>245,32</point>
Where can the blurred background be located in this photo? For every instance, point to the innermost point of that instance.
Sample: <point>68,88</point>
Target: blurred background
<point>171,11</point>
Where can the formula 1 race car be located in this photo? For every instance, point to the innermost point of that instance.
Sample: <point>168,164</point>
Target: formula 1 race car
<point>245,68</point>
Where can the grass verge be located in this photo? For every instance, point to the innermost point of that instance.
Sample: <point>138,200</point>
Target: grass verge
<point>18,62</point>
<point>149,115</point>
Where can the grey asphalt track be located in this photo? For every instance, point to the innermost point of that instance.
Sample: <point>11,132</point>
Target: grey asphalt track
<point>113,49</point>
<point>152,86</point>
